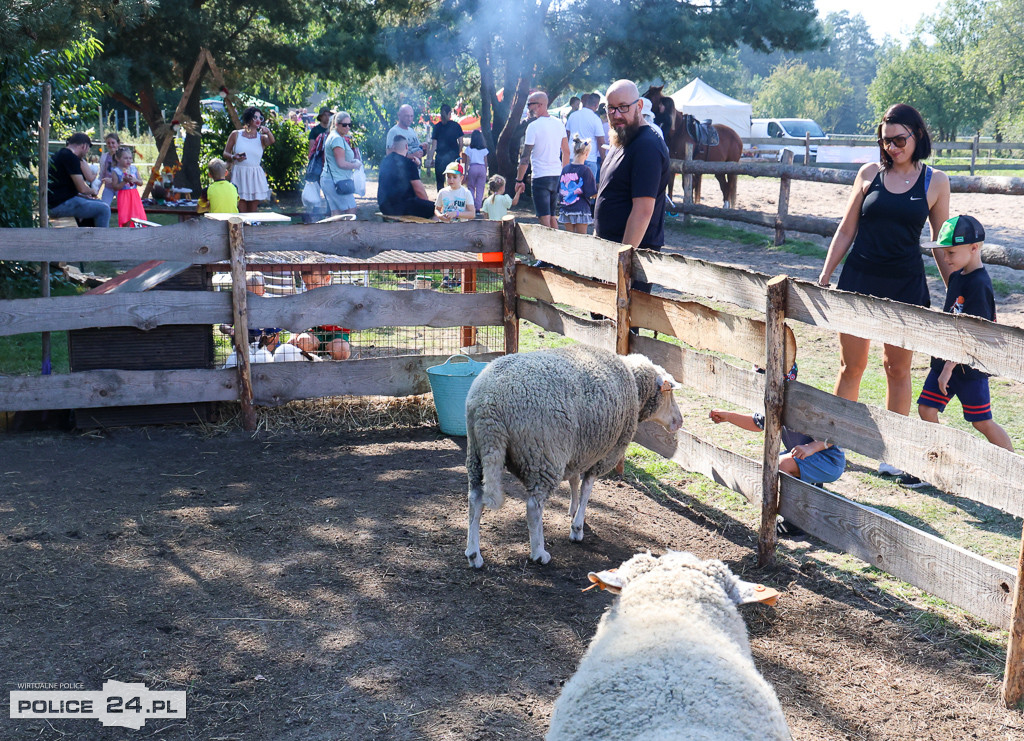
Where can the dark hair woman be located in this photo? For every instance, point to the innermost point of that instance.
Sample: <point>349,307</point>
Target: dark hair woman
<point>888,207</point>
<point>244,150</point>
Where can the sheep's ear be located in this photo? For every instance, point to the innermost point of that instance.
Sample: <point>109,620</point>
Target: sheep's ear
<point>611,580</point>
<point>750,592</point>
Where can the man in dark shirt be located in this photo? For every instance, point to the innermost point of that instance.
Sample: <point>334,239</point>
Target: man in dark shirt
<point>400,191</point>
<point>445,144</point>
<point>68,192</point>
<point>322,119</point>
<point>630,206</point>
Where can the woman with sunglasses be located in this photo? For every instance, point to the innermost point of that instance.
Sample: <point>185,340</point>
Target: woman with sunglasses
<point>340,161</point>
<point>890,203</point>
<point>244,150</point>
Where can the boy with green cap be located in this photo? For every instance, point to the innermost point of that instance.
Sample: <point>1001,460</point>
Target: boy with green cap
<point>968,291</point>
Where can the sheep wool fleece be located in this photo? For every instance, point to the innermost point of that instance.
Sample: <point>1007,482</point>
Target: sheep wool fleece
<point>670,660</point>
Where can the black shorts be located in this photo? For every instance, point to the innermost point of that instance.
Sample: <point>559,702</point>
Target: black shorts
<point>545,196</point>
<point>908,289</point>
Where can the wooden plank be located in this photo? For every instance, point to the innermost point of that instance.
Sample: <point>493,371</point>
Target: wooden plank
<point>240,319</point>
<point>510,301</point>
<point>600,333</point>
<point>993,348</point>
<point>972,582</point>
<point>104,388</point>
<point>358,307</point>
<point>403,375</point>
<point>744,288</point>
<point>589,256</point>
<point>368,238</point>
<point>558,288</point>
<point>196,242</point>
<point>623,283</point>
<point>724,467</point>
<point>952,460</point>
<point>775,370</point>
<point>705,373</point>
<point>707,329</point>
<point>1013,677</point>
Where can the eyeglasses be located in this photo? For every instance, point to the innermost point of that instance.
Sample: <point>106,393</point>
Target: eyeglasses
<point>900,141</point>
<point>622,110</point>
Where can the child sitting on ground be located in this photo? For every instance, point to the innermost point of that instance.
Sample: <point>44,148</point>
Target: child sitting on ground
<point>814,461</point>
<point>576,187</point>
<point>497,204</point>
<point>454,201</point>
<point>221,195</point>
<point>125,182</point>
<point>968,291</point>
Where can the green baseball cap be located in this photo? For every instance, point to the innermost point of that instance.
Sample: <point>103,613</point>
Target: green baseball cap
<point>958,230</point>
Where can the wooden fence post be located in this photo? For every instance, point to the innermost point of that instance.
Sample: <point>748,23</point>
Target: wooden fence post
<point>807,148</point>
<point>510,297</point>
<point>44,210</point>
<point>1013,677</point>
<point>240,315</point>
<point>622,288</point>
<point>784,184</point>
<point>774,390</point>
<point>974,150</point>
<point>687,184</point>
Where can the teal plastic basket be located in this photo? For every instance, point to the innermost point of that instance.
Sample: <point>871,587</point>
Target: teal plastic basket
<point>450,383</point>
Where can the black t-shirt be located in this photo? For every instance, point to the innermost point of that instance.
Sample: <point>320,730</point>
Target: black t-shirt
<point>638,170</point>
<point>968,294</point>
<point>316,131</point>
<point>394,183</point>
<point>63,164</point>
<point>448,135</point>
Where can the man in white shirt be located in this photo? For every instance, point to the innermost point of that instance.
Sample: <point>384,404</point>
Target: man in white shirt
<point>404,127</point>
<point>546,150</point>
<point>588,125</point>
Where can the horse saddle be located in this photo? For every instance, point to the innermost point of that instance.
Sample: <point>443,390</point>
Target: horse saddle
<point>703,133</point>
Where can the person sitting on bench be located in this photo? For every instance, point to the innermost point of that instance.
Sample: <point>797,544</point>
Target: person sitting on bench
<point>400,191</point>
<point>69,192</point>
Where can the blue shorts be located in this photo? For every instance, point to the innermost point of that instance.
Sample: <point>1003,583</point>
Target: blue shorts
<point>823,467</point>
<point>545,196</point>
<point>972,392</point>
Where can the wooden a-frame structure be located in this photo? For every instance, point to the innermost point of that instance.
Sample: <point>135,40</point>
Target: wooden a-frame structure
<point>205,58</point>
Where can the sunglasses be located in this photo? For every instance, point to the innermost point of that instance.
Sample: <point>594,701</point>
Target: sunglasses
<point>349,124</point>
<point>900,141</point>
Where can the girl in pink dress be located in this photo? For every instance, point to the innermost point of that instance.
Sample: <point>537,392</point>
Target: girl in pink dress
<point>126,182</point>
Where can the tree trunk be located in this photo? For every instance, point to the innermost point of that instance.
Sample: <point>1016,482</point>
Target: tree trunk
<point>507,149</point>
<point>155,120</point>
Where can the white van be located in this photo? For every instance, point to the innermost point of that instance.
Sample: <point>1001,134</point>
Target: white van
<point>789,132</point>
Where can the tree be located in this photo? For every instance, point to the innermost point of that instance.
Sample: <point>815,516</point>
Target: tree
<point>991,40</point>
<point>541,44</point>
<point>795,90</point>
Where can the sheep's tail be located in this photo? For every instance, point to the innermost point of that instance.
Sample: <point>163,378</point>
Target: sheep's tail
<point>493,463</point>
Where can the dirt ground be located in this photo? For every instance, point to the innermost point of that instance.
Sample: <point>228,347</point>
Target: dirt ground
<point>312,586</point>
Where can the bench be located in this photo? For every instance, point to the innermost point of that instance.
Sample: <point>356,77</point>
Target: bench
<point>404,219</point>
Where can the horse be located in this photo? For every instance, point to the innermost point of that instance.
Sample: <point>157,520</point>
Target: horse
<point>676,126</point>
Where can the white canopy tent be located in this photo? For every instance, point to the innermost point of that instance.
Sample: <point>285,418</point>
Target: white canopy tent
<point>702,101</point>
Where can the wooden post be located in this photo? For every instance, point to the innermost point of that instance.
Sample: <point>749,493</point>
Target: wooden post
<point>974,150</point>
<point>468,333</point>
<point>219,79</point>
<point>1013,677</point>
<point>240,315</point>
<point>622,288</point>
<point>44,210</point>
<point>774,389</point>
<point>510,298</point>
<point>807,148</point>
<point>784,185</point>
<point>687,184</point>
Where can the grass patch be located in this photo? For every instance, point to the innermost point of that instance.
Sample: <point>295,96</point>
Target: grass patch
<point>21,354</point>
<point>1005,287</point>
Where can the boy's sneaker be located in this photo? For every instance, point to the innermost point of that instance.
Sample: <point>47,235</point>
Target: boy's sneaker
<point>910,481</point>
<point>884,469</point>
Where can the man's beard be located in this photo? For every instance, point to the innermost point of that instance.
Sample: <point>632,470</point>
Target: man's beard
<point>622,136</point>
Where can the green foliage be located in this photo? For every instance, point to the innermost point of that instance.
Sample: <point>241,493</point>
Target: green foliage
<point>797,91</point>
<point>284,161</point>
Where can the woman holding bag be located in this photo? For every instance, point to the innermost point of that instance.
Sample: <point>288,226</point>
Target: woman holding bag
<point>340,161</point>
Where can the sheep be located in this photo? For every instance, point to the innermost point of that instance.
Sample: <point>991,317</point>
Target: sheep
<point>671,660</point>
<point>553,415</point>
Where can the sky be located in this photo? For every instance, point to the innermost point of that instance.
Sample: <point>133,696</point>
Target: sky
<point>884,17</point>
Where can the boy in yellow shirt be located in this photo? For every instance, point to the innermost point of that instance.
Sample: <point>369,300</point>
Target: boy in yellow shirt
<point>221,195</point>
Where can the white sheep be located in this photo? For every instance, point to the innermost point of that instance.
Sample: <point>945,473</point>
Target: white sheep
<point>671,660</point>
<point>554,415</point>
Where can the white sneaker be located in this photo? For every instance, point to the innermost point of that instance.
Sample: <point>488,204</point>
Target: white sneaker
<point>884,469</point>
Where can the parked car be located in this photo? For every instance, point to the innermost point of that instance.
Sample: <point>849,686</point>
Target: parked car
<point>790,134</point>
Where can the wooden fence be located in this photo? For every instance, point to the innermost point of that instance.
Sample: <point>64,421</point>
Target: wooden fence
<point>599,277</point>
<point>786,172</point>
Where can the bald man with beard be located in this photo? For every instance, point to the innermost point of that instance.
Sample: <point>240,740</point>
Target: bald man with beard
<point>630,206</point>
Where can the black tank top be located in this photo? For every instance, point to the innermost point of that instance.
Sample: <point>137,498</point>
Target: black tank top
<point>888,241</point>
